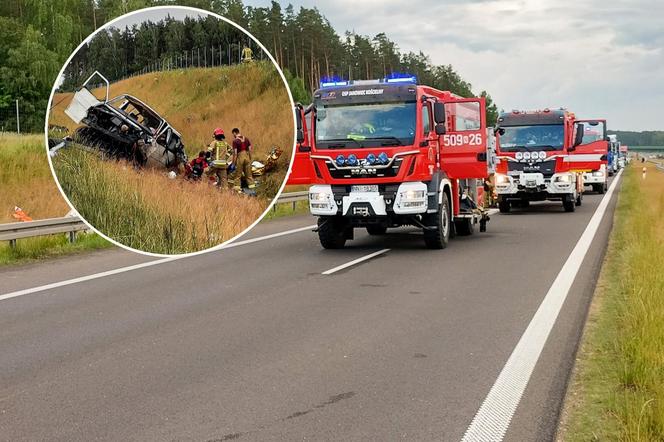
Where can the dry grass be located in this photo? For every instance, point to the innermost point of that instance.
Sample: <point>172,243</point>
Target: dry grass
<point>617,392</point>
<point>26,180</point>
<point>146,210</point>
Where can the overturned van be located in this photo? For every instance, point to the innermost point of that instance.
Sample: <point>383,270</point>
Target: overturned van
<point>125,127</point>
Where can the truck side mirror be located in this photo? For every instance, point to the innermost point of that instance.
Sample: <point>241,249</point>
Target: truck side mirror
<point>439,113</point>
<point>298,120</point>
<point>578,139</point>
<point>440,129</point>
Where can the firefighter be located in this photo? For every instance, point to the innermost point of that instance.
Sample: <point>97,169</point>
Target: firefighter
<point>196,167</point>
<point>219,152</point>
<point>247,55</point>
<point>242,160</point>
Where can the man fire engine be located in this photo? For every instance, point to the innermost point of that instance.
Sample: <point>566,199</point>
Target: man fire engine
<point>535,164</point>
<point>388,153</point>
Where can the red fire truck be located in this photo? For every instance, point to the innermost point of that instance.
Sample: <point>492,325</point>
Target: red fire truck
<point>388,153</point>
<point>534,158</point>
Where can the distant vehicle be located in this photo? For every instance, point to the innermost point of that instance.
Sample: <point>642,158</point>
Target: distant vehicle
<point>125,127</point>
<point>390,152</point>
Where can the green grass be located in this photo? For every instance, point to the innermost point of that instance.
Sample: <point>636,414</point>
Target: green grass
<point>286,209</point>
<point>617,391</point>
<point>31,249</point>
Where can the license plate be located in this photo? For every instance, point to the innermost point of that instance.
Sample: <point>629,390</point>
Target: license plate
<point>364,188</point>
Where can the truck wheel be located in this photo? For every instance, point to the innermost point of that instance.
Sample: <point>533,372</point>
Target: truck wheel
<point>439,235</point>
<point>331,233</point>
<point>569,204</point>
<point>376,229</point>
<point>464,226</point>
<point>504,206</point>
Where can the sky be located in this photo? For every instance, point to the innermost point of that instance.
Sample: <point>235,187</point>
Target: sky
<point>597,58</point>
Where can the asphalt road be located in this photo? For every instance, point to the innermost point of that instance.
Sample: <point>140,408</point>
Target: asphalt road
<point>255,343</point>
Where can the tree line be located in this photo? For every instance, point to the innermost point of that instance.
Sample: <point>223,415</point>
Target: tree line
<point>645,138</point>
<point>36,37</point>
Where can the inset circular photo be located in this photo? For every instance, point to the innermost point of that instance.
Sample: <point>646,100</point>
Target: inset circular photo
<point>170,130</point>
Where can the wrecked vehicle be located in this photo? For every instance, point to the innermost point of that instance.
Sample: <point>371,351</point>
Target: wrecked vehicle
<point>125,128</point>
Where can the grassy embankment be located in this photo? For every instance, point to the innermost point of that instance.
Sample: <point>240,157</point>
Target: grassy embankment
<point>26,181</point>
<point>148,211</point>
<point>617,390</point>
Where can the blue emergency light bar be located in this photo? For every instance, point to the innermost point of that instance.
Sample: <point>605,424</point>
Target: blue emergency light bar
<point>394,78</point>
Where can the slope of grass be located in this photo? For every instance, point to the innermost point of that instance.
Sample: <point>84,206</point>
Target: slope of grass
<point>617,392</point>
<point>26,180</point>
<point>196,101</point>
<point>148,211</point>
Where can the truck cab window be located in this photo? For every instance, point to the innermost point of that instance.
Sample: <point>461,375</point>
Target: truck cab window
<point>426,120</point>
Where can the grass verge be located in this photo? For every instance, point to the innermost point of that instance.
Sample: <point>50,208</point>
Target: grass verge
<point>146,210</point>
<point>617,389</point>
<point>31,249</point>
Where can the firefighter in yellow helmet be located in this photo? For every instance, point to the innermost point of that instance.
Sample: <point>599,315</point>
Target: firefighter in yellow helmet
<point>220,153</point>
<point>242,160</point>
<point>247,55</point>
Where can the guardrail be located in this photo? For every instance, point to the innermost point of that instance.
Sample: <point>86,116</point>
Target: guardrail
<point>72,224</point>
<point>28,229</point>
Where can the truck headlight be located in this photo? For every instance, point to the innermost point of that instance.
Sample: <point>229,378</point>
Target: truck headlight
<point>563,178</point>
<point>598,173</point>
<point>502,179</point>
<point>411,198</point>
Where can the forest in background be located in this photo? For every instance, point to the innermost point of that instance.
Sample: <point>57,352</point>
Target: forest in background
<point>36,37</point>
<point>635,139</point>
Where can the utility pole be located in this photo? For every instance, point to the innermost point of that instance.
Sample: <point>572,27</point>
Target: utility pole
<point>18,121</point>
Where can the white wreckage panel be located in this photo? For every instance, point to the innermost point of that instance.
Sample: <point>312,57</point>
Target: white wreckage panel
<point>78,108</point>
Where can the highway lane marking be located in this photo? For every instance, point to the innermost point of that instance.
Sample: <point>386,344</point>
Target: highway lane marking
<point>495,414</point>
<point>354,262</point>
<point>145,265</point>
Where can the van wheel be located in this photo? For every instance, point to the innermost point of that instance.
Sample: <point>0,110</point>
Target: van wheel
<point>331,232</point>
<point>439,235</point>
<point>464,226</point>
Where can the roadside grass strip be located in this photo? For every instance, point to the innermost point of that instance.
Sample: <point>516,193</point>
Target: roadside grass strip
<point>617,390</point>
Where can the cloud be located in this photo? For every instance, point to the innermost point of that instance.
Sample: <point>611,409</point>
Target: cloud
<point>600,59</point>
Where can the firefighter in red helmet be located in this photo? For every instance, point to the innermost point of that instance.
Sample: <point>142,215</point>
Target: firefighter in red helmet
<point>219,152</point>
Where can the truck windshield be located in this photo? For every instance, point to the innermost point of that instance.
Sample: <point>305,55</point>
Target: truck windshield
<point>365,125</point>
<point>539,137</point>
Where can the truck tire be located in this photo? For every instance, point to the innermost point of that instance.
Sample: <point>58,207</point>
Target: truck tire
<point>569,204</point>
<point>376,230</point>
<point>439,235</point>
<point>331,232</point>
<point>599,188</point>
<point>464,226</point>
<point>504,206</point>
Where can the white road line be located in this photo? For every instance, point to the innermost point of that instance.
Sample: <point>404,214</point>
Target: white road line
<point>495,414</point>
<point>142,265</point>
<point>355,261</point>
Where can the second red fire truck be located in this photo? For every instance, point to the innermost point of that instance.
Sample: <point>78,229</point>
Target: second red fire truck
<point>543,155</point>
<point>387,153</point>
